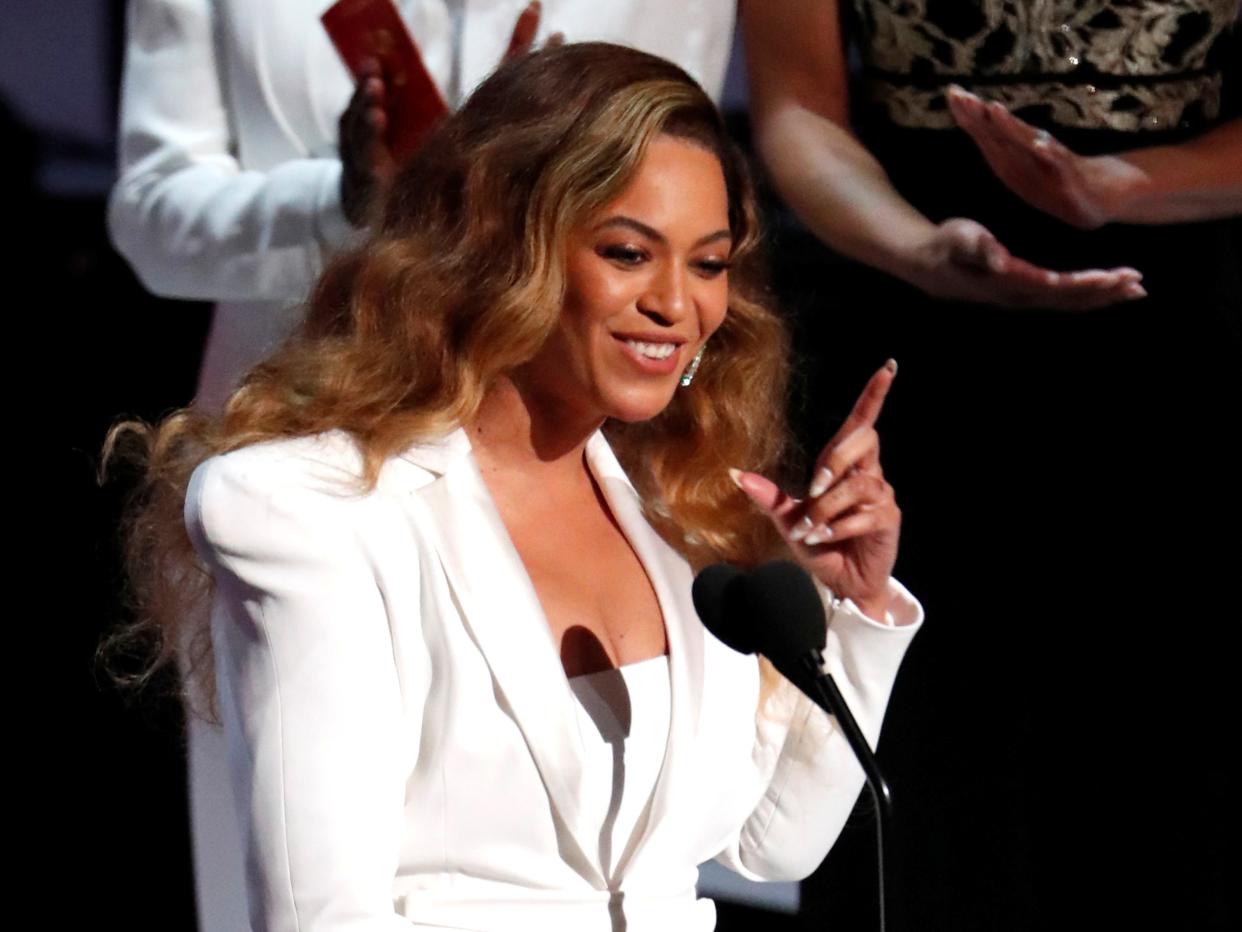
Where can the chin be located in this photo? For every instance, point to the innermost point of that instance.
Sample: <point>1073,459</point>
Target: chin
<point>635,407</point>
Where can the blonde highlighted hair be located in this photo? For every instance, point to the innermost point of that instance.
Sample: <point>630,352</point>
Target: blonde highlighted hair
<point>461,282</point>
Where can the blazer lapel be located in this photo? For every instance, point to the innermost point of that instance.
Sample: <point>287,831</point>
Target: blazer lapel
<point>671,578</point>
<point>503,612</point>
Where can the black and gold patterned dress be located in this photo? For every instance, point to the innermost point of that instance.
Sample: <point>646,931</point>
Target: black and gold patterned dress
<point>1058,740</point>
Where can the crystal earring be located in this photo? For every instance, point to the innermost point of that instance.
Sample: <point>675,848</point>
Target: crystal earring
<point>691,370</point>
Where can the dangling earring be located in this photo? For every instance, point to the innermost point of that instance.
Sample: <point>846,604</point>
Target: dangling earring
<point>691,370</point>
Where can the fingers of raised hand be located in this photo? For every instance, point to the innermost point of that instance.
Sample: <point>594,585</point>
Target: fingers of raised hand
<point>787,513</point>
<point>764,492</point>
<point>365,115</point>
<point>862,521</point>
<point>861,504</point>
<point>1004,279</point>
<point>991,121</point>
<point>859,448</point>
<point>1037,143</point>
<point>867,408</point>
<point>524,31</point>
<point>860,491</point>
<point>1085,289</point>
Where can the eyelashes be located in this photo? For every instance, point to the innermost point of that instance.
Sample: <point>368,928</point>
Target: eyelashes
<point>714,266</point>
<point>633,256</point>
<point>626,255</point>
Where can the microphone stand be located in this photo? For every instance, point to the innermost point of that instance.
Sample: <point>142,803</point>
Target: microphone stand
<point>829,698</point>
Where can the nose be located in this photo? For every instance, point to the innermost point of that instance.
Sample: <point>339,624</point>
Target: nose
<point>667,300</point>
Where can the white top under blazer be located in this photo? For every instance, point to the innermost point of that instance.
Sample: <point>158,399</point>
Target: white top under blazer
<point>623,718</point>
<point>405,747</point>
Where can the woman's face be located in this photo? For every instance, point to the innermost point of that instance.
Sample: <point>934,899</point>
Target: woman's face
<point>647,284</point>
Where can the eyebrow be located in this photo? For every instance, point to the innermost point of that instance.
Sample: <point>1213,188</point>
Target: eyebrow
<point>652,233</point>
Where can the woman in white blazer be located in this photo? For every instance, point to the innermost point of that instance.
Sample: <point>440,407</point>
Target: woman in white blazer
<point>229,191</point>
<point>433,579</point>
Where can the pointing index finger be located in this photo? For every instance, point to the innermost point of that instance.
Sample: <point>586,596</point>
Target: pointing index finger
<point>869,404</point>
<point>864,415</point>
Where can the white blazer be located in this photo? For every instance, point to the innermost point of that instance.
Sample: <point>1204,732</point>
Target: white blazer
<point>402,737</point>
<point>229,185</point>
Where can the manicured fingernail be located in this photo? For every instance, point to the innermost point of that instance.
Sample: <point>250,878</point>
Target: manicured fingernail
<point>891,366</point>
<point>1135,290</point>
<point>821,535</point>
<point>801,529</point>
<point>996,262</point>
<point>823,479</point>
<point>736,476</point>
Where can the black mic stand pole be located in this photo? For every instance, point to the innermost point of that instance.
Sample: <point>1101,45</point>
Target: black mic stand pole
<point>829,698</point>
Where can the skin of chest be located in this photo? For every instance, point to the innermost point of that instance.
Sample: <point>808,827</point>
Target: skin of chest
<point>595,593</point>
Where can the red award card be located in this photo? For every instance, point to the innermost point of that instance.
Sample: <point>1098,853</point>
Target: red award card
<point>362,29</point>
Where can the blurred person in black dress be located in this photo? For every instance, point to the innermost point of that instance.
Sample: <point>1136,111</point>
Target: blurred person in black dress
<point>1075,246</point>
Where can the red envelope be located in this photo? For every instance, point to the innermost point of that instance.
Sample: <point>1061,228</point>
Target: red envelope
<point>362,29</point>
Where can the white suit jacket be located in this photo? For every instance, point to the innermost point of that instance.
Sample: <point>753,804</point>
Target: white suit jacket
<point>402,736</point>
<point>229,186</point>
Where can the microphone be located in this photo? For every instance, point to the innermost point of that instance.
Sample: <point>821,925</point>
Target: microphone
<point>727,600</point>
<point>775,610</point>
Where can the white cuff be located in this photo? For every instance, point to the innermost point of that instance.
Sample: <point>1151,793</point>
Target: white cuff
<point>903,608</point>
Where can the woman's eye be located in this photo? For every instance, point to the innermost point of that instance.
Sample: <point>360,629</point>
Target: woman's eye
<point>710,268</point>
<point>626,255</point>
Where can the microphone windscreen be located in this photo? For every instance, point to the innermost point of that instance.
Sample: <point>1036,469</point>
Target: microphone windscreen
<point>722,606</point>
<point>787,609</point>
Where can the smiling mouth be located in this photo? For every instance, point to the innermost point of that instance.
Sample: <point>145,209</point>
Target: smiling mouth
<point>651,350</point>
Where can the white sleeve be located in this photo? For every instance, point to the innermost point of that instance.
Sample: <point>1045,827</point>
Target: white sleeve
<point>191,221</point>
<point>311,700</point>
<point>808,772</point>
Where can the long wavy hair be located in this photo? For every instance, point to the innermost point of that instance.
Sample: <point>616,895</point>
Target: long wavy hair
<point>460,282</point>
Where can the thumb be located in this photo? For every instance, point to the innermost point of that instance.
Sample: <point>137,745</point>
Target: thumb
<point>973,244</point>
<point>765,493</point>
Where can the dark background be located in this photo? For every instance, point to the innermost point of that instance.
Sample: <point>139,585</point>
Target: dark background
<point>102,806</point>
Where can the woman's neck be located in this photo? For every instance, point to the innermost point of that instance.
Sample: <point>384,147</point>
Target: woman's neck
<point>517,430</point>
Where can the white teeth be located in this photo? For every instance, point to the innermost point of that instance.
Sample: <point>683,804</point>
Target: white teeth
<point>653,350</point>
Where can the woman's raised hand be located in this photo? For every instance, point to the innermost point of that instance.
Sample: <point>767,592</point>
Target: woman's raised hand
<point>962,260</point>
<point>367,164</point>
<point>1079,190</point>
<point>845,531</point>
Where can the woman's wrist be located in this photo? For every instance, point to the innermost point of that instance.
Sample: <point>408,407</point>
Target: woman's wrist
<point>904,251</point>
<point>875,608</point>
<point>1116,188</point>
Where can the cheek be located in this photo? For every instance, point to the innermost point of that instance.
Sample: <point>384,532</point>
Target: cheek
<point>714,311</point>
<point>594,295</point>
